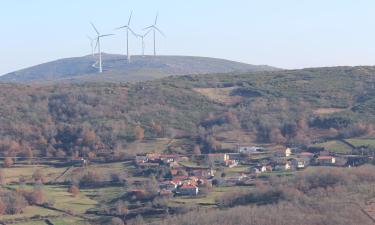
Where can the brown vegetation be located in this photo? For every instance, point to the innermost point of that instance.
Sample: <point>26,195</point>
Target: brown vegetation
<point>318,196</point>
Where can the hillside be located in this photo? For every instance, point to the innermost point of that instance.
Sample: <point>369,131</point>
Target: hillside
<point>282,107</point>
<point>116,68</point>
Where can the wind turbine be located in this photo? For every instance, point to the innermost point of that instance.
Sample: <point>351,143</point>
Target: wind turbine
<point>91,44</point>
<point>143,40</point>
<point>127,27</point>
<point>154,28</point>
<point>98,37</point>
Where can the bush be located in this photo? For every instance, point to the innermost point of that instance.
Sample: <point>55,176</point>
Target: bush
<point>14,202</point>
<point>74,190</point>
<point>8,162</point>
<point>268,195</point>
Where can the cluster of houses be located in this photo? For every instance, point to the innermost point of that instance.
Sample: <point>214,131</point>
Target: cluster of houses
<point>187,180</point>
<point>288,160</point>
<point>184,180</point>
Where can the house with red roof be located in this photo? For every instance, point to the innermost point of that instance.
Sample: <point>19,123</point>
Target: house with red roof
<point>169,185</point>
<point>307,155</point>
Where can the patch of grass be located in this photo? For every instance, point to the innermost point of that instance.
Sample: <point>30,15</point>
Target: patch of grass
<point>361,142</point>
<point>152,145</point>
<point>31,211</point>
<point>190,164</point>
<point>68,221</point>
<point>14,173</point>
<point>64,200</point>
<point>221,95</point>
<point>104,194</point>
<point>334,146</point>
<point>237,169</point>
<point>208,199</point>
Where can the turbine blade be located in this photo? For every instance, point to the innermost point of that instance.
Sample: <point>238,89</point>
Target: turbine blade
<point>118,28</point>
<point>148,27</point>
<point>96,30</point>
<point>130,17</point>
<point>106,35</point>
<point>135,34</point>
<point>161,32</point>
<point>156,18</point>
<point>97,42</point>
<point>144,35</point>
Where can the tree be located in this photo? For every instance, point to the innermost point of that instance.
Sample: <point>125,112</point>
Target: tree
<point>197,150</point>
<point>158,129</point>
<point>232,119</point>
<point>91,178</point>
<point>35,197</point>
<point>117,221</point>
<point>139,133</point>
<point>74,190</point>
<point>213,144</point>
<point>152,187</point>
<point>29,153</point>
<point>277,137</point>
<point>15,202</point>
<point>2,207</point>
<point>138,221</point>
<point>38,176</point>
<point>121,208</point>
<point>91,155</point>
<point>2,178</point>
<point>8,162</point>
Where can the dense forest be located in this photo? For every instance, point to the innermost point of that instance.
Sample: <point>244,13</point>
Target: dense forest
<point>277,107</point>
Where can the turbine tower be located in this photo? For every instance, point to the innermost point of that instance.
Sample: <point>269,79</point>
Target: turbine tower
<point>142,37</point>
<point>127,27</point>
<point>98,37</point>
<point>91,44</point>
<point>154,28</point>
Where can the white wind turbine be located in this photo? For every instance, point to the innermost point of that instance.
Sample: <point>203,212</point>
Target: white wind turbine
<point>98,37</point>
<point>127,27</point>
<point>142,37</point>
<point>154,28</point>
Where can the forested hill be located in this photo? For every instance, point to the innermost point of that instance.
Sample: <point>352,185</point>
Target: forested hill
<point>117,69</point>
<point>286,107</point>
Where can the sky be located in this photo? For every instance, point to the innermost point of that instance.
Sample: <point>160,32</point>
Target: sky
<point>289,34</point>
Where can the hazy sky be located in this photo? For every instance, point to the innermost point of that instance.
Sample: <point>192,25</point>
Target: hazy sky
<point>282,33</point>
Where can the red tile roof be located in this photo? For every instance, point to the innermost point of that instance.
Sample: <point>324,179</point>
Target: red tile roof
<point>187,186</point>
<point>306,153</point>
<point>324,157</point>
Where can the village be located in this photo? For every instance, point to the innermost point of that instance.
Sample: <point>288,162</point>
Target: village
<point>191,175</point>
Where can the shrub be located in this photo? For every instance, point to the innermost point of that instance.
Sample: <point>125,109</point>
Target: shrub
<point>74,190</point>
<point>8,162</point>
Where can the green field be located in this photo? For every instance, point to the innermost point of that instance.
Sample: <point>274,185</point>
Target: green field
<point>334,146</point>
<point>209,199</point>
<point>361,142</point>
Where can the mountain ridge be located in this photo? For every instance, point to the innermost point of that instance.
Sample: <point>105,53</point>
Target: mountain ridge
<point>117,69</point>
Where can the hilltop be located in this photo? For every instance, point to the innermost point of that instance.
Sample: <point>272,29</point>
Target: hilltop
<point>117,69</point>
